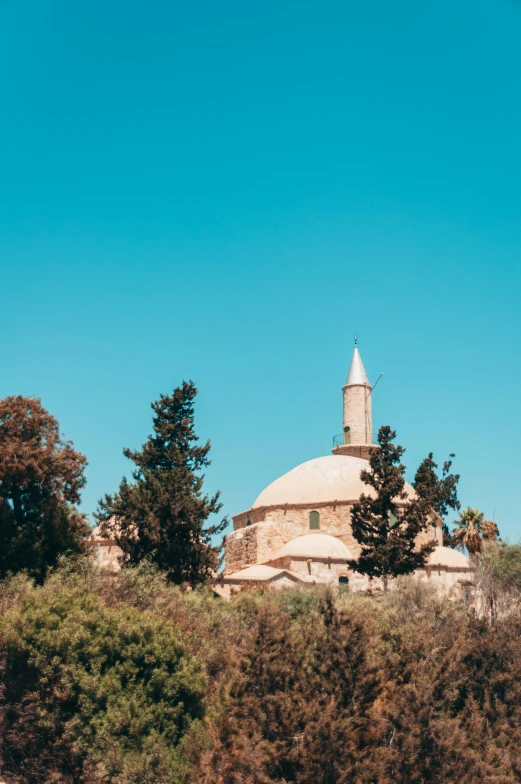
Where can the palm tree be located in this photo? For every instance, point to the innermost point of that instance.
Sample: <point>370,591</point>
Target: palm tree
<point>472,530</point>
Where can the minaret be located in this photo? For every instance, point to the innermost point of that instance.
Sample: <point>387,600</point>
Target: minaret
<point>358,426</point>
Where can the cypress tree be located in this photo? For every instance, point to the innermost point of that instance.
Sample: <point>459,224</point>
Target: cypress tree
<point>162,514</point>
<point>441,492</point>
<point>388,523</point>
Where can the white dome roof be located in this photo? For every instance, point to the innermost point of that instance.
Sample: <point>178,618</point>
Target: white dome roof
<point>324,479</point>
<point>315,545</point>
<point>446,556</point>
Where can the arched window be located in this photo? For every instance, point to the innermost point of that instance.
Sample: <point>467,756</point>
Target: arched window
<point>347,434</point>
<point>248,522</point>
<point>314,521</point>
<point>343,583</point>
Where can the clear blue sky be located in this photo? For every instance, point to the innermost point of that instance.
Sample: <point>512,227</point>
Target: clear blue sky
<point>229,191</point>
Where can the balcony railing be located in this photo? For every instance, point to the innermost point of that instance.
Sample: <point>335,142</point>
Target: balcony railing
<point>340,440</point>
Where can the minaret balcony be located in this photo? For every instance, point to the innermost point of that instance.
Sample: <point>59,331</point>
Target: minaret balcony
<point>342,439</point>
<point>354,450</point>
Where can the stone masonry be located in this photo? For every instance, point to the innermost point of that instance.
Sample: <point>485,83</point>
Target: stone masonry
<point>357,413</point>
<point>260,533</point>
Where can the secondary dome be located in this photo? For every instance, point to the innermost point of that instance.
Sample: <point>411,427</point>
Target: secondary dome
<point>322,480</point>
<point>314,546</point>
<point>446,556</point>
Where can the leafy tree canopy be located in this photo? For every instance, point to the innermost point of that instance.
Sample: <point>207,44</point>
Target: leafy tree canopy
<point>94,693</point>
<point>162,515</point>
<point>40,481</point>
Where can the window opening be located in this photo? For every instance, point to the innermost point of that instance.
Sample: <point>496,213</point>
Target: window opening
<point>343,583</point>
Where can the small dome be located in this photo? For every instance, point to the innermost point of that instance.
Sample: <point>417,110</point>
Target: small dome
<point>446,556</point>
<point>324,479</point>
<point>314,546</point>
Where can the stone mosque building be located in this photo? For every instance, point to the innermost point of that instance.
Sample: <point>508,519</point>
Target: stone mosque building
<point>298,530</point>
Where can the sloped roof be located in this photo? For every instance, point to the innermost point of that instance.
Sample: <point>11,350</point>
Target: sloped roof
<point>261,573</point>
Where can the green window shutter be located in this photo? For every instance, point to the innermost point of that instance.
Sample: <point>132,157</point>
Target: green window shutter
<point>314,521</point>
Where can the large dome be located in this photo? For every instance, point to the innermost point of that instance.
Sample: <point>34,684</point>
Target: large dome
<point>322,480</point>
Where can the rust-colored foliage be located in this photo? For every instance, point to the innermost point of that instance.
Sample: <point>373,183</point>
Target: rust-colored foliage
<point>41,476</point>
<point>401,689</point>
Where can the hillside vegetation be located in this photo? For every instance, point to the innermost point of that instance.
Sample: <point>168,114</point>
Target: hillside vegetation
<point>129,679</point>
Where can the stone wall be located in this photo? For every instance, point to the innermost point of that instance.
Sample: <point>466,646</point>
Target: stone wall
<point>293,520</point>
<point>250,517</point>
<point>253,544</point>
<point>271,527</point>
<point>446,578</point>
<point>260,541</point>
<point>240,548</point>
<point>323,570</point>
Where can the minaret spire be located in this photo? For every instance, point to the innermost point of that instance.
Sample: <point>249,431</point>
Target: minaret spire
<point>357,433</point>
<point>357,374</point>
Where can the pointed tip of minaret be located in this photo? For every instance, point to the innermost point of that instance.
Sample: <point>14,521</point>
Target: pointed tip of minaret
<point>357,374</point>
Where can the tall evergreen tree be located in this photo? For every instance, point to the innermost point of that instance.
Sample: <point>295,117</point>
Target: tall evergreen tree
<point>162,514</point>
<point>442,492</point>
<point>41,476</point>
<point>387,523</point>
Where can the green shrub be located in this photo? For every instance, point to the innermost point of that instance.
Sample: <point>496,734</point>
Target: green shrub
<point>500,567</point>
<point>94,693</point>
